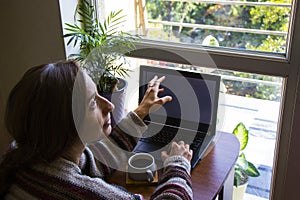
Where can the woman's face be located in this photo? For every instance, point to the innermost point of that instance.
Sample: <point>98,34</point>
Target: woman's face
<point>97,121</point>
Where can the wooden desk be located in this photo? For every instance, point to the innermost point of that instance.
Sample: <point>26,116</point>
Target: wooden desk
<point>213,175</point>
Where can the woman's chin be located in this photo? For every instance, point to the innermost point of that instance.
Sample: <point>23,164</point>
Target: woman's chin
<point>107,130</point>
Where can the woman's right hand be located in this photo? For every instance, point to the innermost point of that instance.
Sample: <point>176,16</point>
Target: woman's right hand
<point>179,149</point>
<point>151,101</point>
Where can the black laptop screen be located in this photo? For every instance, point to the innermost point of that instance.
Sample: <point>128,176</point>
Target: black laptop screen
<point>194,97</point>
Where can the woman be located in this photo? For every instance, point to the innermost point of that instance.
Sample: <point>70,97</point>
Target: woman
<point>52,113</point>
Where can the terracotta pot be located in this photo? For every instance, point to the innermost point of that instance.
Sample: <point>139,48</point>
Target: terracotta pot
<point>239,191</point>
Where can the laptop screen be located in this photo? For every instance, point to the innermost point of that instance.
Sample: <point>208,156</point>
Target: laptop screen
<point>194,97</point>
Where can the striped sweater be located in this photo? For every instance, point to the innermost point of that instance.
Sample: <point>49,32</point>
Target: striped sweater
<point>63,179</point>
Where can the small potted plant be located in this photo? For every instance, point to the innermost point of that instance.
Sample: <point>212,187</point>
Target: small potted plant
<point>102,49</point>
<point>242,168</point>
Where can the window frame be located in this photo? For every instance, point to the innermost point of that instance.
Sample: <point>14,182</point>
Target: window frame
<point>283,65</point>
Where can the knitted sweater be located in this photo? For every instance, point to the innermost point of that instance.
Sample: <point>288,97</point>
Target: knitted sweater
<point>63,179</point>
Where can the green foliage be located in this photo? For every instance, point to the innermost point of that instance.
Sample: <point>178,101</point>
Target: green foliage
<point>252,17</point>
<point>258,90</point>
<point>102,45</point>
<point>252,89</point>
<point>243,168</point>
<point>271,18</point>
<point>274,44</point>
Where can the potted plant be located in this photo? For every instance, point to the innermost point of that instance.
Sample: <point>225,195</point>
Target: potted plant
<point>242,168</point>
<point>102,49</point>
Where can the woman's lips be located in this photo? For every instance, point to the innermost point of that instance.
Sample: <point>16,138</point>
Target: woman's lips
<point>107,124</point>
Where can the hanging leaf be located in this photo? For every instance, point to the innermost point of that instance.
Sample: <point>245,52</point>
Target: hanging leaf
<point>241,133</point>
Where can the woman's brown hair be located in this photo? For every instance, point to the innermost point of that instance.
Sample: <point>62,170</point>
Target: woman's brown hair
<point>39,118</point>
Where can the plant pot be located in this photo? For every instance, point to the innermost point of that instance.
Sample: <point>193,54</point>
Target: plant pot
<point>118,99</point>
<point>239,191</point>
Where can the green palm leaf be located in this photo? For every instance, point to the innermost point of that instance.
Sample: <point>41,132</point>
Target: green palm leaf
<point>101,44</point>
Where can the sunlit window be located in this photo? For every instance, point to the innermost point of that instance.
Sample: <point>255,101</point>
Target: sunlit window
<point>260,25</point>
<point>251,25</point>
<point>249,98</point>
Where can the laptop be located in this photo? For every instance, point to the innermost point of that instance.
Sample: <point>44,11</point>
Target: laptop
<point>190,116</point>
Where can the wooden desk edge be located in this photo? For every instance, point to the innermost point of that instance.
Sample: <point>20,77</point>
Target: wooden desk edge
<point>209,176</point>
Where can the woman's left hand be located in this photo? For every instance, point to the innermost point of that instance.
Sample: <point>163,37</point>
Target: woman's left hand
<point>151,102</point>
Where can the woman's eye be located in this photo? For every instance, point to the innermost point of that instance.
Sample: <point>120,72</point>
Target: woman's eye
<point>93,104</point>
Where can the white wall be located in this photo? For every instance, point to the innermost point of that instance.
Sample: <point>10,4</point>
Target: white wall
<point>30,35</point>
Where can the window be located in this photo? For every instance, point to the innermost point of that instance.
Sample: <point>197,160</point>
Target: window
<point>273,54</point>
<point>252,25</point>
<point>249,98</point>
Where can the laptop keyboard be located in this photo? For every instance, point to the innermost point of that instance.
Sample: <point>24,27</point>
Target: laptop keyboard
<point>163,135</point>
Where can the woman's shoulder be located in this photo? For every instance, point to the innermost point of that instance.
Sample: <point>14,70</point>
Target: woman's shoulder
<point>63,179</point>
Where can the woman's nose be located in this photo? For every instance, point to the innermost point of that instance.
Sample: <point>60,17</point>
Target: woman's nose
<point>105,104</point>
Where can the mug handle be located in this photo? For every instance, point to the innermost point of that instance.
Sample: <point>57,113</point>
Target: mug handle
<point>150,176</point>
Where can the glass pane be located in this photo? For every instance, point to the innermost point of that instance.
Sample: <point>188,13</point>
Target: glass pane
<point>259,25</point>
<point>251,99</point>
<point>251,25</point>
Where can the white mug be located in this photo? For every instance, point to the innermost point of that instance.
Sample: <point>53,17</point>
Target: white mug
<point>141,167</point>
